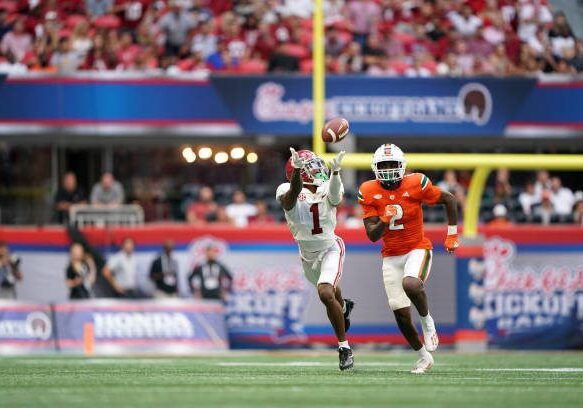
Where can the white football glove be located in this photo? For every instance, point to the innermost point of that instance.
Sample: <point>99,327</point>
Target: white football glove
<point>337,161</point>
<point>297,162</point>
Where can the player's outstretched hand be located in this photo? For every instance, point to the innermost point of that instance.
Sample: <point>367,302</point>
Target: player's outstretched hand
<point>451,243</point>
<point>336,162</point>
<point>297,161</point>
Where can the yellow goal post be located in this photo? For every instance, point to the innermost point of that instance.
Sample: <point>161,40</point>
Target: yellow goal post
<point>482,164</point>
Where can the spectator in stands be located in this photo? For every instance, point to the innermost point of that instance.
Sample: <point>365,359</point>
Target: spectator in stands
<point>222,217</point>
<point>81,273</point>
<point>121,271</point>
<point>5,27</point>
<point>561,197</point>
<point>97,8</point>
<point>81,41</point>
<point>10,272</point>
<point>333,11</point>
<point>262,215</point>
<point>336,42</point>
<point>528,198</point>
<point>16,43</point>
<point>351,60</point>
<point>298,8</point>
<point>176,25</point>
<point>211,279</point>
<point>374,55</point>
<point>531,14</point>
<point>100,57</point>
<point>544,212</point>
<point>131,12</point>
<point>561,36</point>
<point>363,17</point>
<point>205,40</point>
<point>68,194</point>
<point>108,192</point>
<point>205,209</point>
<point>239,211</point>
<point>500,213</point>
<point>578,211</point>
<point>65,59</point>
<point>465,22</point>
<point>575,59</point>
<point>502,188</point>
<point>164,272</point>
<point>450,184</point>
<point>543,182</point>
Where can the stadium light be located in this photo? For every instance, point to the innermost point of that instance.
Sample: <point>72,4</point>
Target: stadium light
<point>252,157</point>
<point>221,157</point>
<point>205,153</point>
<point>188,154</point>
<point>237,153</point>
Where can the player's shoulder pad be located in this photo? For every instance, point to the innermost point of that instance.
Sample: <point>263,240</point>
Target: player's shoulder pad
<point>282,189</point>
<point>366,191</point>
<point>418,180</point>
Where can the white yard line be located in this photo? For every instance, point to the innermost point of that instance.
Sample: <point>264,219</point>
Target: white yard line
<point>302,364</point>
<point>550,370</point>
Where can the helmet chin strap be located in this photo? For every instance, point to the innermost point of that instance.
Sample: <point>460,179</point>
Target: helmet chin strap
<point>390,185</point>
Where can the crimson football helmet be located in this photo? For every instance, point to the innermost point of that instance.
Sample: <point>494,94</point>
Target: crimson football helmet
<point>314,171</point>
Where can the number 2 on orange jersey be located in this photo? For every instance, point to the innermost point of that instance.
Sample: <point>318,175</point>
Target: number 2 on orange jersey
<point>395,213</point>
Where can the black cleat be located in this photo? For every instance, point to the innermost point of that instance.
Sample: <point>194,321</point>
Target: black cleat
<point>349,306</point>
<point>346,359</point>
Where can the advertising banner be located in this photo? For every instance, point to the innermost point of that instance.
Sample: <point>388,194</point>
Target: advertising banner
<point>523,298</point>
<point>25,328</point>
<point>113,105</point>
<point>525,289</point>
<point>377,106</point>
<point>161,326</point>
<point>281,105</point>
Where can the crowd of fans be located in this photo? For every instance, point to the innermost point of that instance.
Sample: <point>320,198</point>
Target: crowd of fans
<point>543,199</point>
<point>209,278</point>
<point>378,37</point>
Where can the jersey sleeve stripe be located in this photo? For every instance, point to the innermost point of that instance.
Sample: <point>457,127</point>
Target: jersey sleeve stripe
<point>424,181</point>
<point>359,196</point>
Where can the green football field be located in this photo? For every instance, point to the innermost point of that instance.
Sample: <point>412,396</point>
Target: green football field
<point>294,380</point>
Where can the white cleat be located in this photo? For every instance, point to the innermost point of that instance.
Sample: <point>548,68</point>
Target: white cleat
<point>430,335</point>
<point>423,365</point>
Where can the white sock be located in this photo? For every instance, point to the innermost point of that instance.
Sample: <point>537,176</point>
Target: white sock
<point>423,352</point>
<point>343,344</point>
<point>344,306</point>
<point>426,321</point>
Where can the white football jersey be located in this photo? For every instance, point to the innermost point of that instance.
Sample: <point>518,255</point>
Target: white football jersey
<point>312,220</point>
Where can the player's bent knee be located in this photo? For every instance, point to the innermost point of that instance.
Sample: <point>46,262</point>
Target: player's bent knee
<point>326,293</point>
<point>402,315</point>
<point>412,286</point>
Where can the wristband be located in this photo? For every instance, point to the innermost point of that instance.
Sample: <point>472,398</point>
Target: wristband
<point>451,229</point>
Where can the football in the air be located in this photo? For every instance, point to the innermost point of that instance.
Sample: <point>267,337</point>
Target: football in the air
<point>335,130</point>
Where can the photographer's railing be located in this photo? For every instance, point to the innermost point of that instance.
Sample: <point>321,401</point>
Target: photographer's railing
<point>82,215</point>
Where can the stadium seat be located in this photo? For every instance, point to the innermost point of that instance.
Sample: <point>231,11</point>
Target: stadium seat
<point>254,66</point>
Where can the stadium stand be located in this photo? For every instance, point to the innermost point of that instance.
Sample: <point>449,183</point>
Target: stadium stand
<point>413,38</point>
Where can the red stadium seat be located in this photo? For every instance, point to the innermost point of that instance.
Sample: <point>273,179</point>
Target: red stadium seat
<point>107,22</point>
<point>74,19</point>
<point>254,66</point>
<point>9,6</point>
<point>295,50</point>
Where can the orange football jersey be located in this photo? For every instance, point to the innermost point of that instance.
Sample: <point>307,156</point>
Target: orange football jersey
<point>403,207</point>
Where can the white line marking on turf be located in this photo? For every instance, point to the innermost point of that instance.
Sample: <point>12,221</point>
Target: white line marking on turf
<point>551,370</point>
<point>301,364</point>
